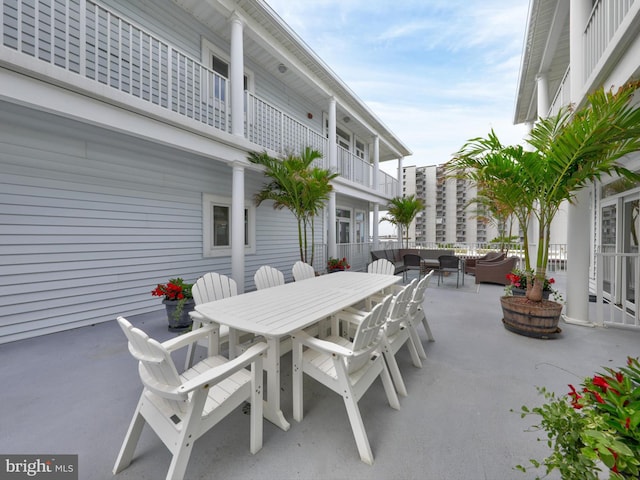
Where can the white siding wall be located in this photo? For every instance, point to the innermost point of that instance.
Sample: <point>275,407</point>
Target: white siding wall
<point>91,221</point>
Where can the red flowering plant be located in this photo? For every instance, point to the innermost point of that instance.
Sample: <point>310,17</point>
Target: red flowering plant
<point>174,289</point>
<point>338,264</point>
<point>594,425</point>
<point>519,279</point>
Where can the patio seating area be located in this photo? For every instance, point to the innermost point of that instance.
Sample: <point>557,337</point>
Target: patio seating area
<point>74,393</point>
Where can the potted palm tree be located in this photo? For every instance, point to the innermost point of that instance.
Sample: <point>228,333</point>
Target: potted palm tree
<point>571,150</point>
<point>299,187</point>
<point>401,211</point>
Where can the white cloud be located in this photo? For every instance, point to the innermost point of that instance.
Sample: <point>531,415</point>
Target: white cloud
<point>437,73</point>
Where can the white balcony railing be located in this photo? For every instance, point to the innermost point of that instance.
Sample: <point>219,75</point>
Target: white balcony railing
<point>87,39</point>
<point>606,17</point>
<point>563,95</point>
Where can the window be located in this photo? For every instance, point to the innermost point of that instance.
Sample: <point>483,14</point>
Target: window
<point>216,226</point>
<point>360,227</point>
<point>343,225</point>
<point>218,61</point>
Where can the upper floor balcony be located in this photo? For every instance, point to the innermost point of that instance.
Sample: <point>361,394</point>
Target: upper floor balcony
<point>59,40</point>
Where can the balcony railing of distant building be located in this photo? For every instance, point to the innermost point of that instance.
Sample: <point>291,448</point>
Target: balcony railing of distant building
<point>607,16</point>
<point>85,38</point>
<point>617,292</point>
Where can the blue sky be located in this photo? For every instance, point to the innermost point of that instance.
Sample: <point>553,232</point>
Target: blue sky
<point>437,72</point>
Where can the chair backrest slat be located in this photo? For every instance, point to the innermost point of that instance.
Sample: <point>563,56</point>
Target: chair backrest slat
<point>302,271</point>
<point>382,266</point>
<point>213,286</point>
<point>399,308</point>
<point>367,336</point>
<point>157,370</point>
<point>267,277</point>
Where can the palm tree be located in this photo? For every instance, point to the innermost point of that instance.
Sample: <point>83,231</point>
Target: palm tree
<point>572,150</point>
<point>298,187</point>
<point>401,211</point>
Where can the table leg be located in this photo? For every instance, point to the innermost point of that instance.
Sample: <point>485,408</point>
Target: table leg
<point>272,411</point>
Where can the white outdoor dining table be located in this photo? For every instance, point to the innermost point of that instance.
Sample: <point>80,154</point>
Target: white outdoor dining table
<point>279,311</point>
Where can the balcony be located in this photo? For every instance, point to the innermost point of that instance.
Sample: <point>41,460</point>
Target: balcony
<point>609,21</point>
<point>87,40</point>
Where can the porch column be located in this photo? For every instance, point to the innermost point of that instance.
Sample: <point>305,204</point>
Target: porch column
<point>578,238</point>
<point>400,177</point>
<point>236,76</point>
<point>578,233</point>
<point>376,163</point>
<point>543,95</point>
<point>237,226</point>
<point>374,227</point>
<point>579,11</point>
<point>332,249</point>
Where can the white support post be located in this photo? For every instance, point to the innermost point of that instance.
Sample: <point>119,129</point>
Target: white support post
<point>237,226</point>
<point>543,95</point>
<point>376,163</point>
<point>578,259</point>
<point>374,226</point>
<point>332,248</point>
<point>237,76</point>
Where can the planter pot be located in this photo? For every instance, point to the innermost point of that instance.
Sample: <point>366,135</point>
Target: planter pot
<point>182,321</point>
<point>333,270</point>
<point>533,319</point>
<point>521,292</point>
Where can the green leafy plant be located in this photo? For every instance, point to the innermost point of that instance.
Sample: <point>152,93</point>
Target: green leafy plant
<point>401,211</point>
<point>298,186</point>
<point>595,423</point>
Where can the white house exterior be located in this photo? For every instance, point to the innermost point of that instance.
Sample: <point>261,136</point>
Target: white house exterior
<point>124,133</point>
<point>573,47</point>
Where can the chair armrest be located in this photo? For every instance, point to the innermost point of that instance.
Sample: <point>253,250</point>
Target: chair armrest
<point>214,375</point>
<point>321,345</point>
<point>190,337</point>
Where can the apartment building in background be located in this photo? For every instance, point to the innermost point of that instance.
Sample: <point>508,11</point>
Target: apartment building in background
<point>448,217</point>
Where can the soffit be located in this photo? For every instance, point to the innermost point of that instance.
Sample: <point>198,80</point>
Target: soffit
<point>546,49</point>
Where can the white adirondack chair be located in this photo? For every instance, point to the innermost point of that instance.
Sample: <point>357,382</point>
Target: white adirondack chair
<point>181,408</point>
<point>383,266</point>
<point>267,276</point>
<point>302,271</point>
<point>396,333</point>
<point>208,288</point>
<point>347,368</point>
<point>417,316</point>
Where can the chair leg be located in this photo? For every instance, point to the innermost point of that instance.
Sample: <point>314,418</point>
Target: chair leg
<point>392,397</point>
<point>413,350</point>
<point>417,343</point>
<point>130,440</point>
<point>357,427</point>
<point>392,364</point>
<point>425,323</point>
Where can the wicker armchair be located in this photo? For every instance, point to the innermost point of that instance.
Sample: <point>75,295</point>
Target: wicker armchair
<point>470,263</point>
<point>495,272</point>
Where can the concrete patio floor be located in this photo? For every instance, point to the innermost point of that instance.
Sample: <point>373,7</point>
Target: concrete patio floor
<point>74,393</point>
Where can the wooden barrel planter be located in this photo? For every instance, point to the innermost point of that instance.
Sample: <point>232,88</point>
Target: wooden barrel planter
<point>533,319</point>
